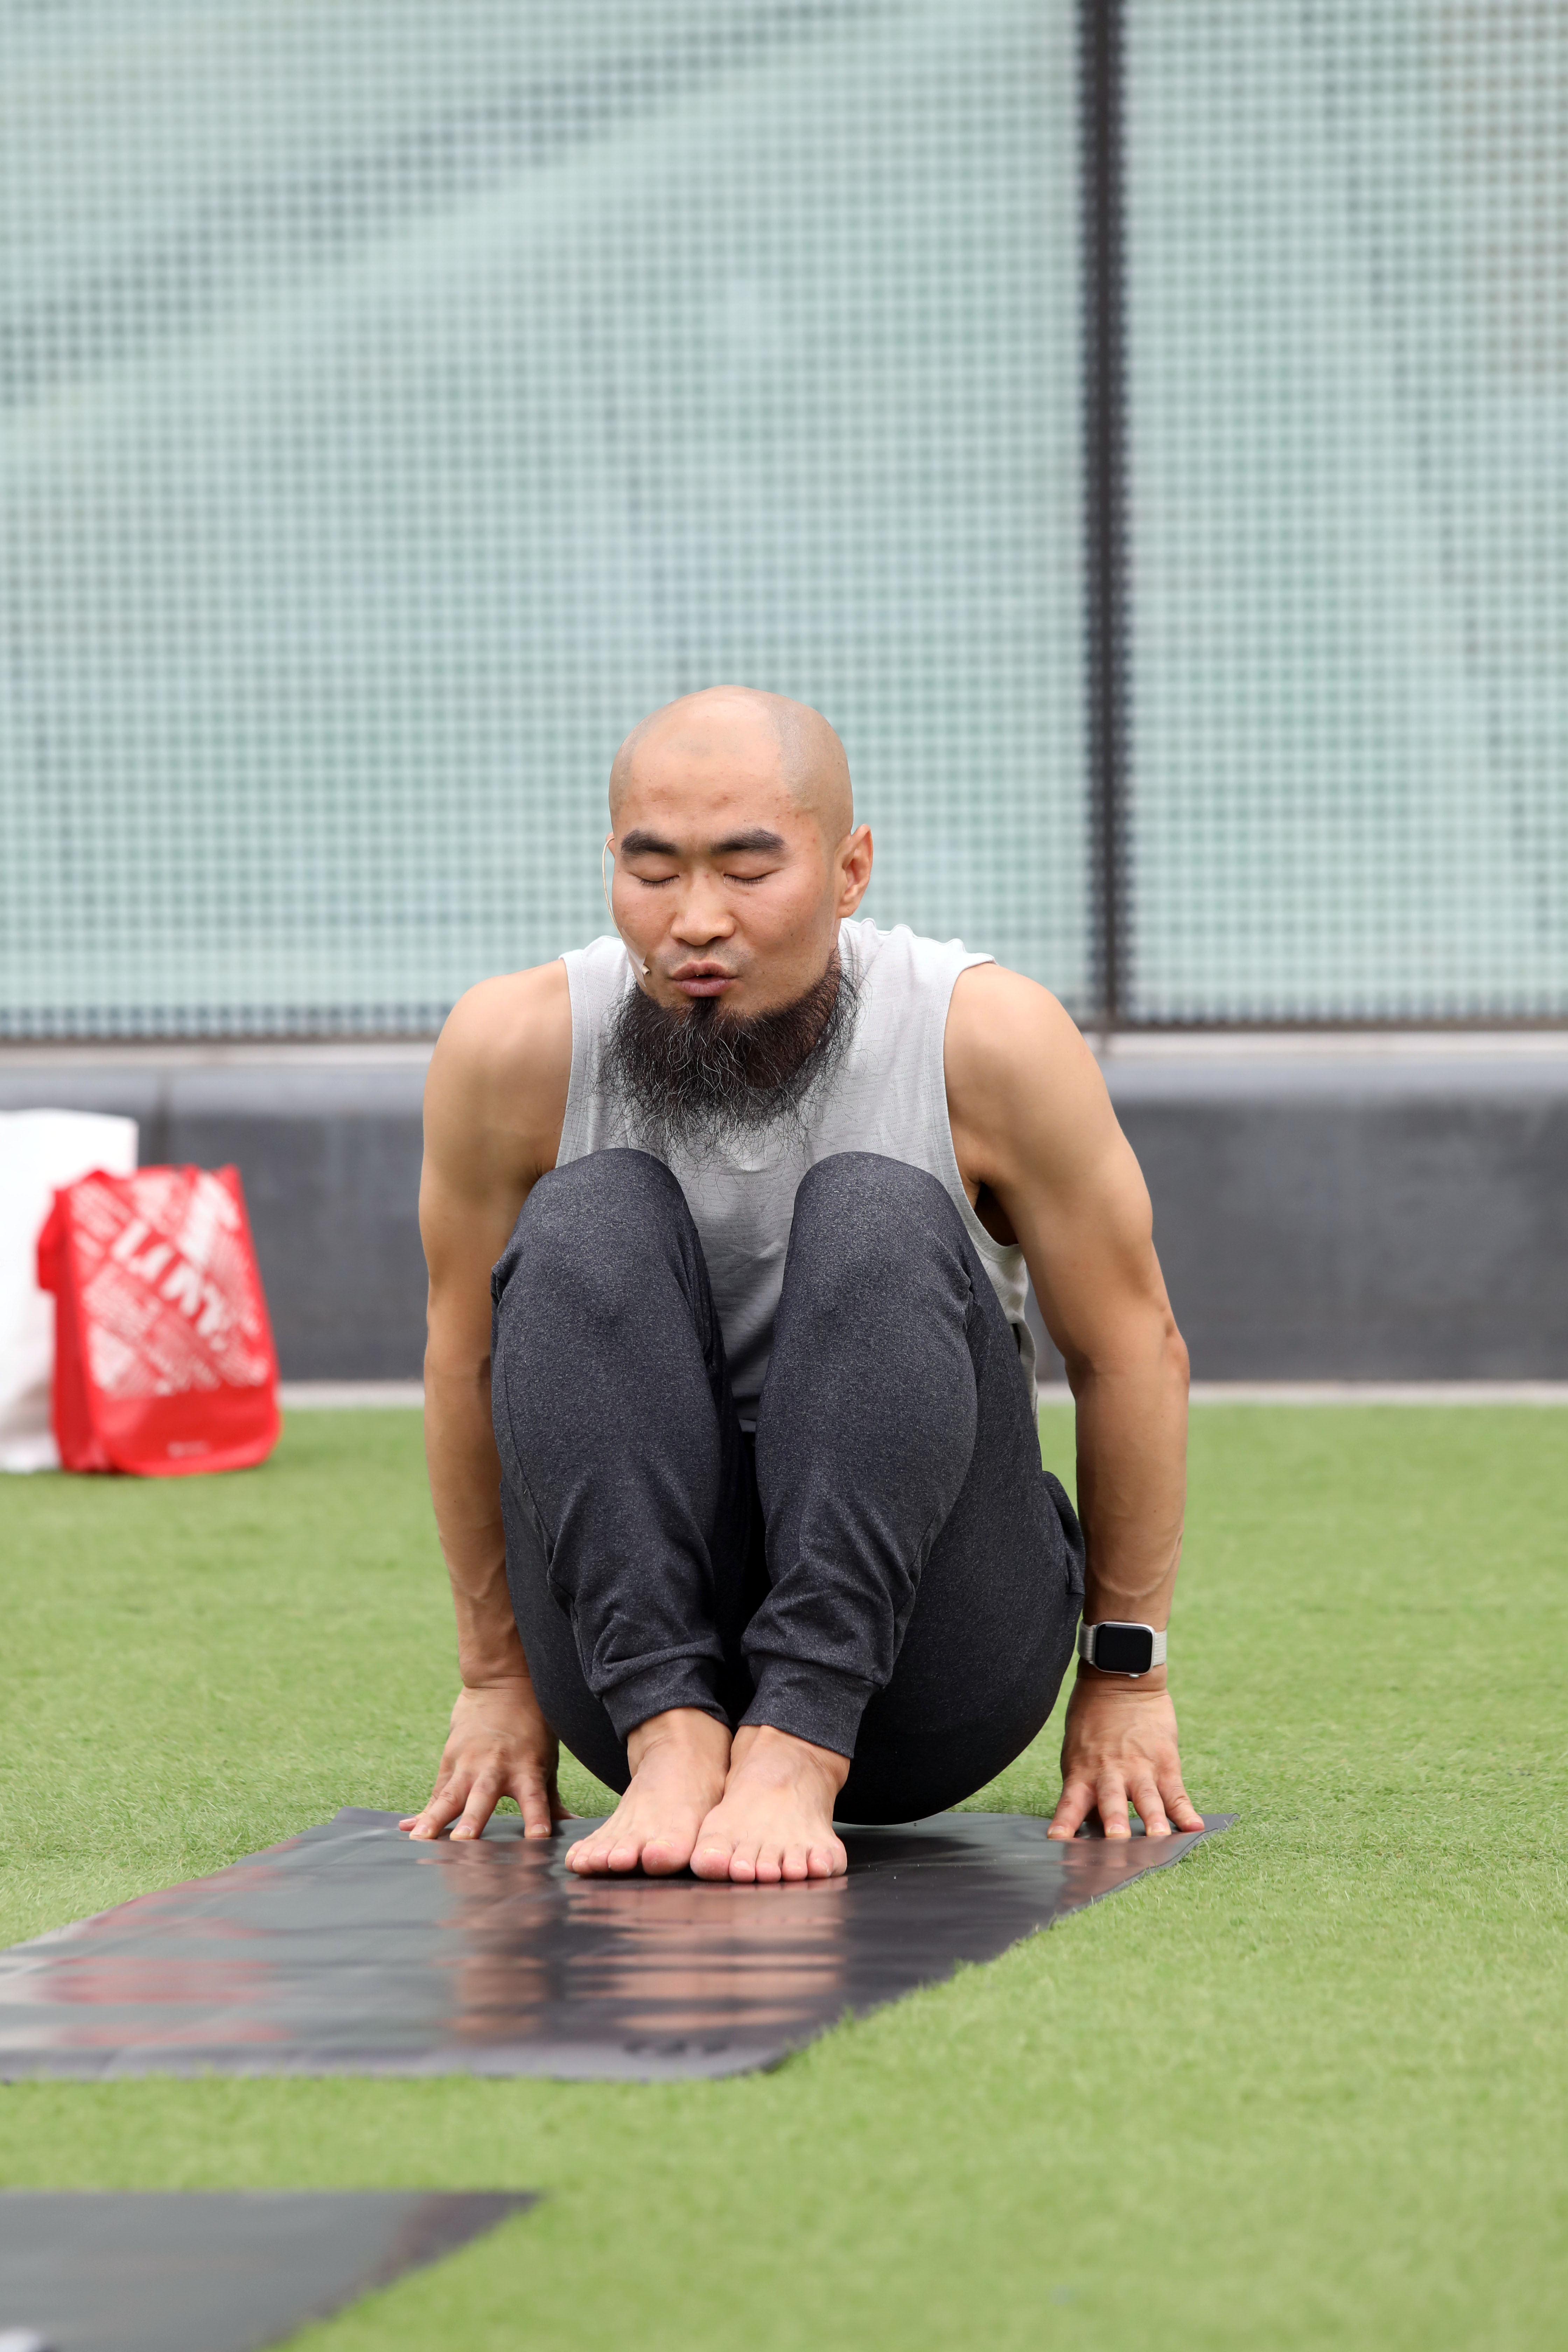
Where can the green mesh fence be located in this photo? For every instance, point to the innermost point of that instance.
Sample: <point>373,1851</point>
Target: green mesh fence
<point>1347,443</point>
<point>404,398</point>
<point>400,399</point>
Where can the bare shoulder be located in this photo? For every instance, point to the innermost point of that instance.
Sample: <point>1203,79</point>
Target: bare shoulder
<point>1006,1033</point>
<point>496,1095</point>
<point>1021,1079</point>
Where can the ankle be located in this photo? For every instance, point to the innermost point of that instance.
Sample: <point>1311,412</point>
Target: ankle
<point>684,1734</point>
<point>782,1754</point>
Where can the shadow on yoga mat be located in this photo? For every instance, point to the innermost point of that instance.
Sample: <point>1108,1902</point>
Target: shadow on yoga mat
<point>351,1950</point>
<point>211,2272</point>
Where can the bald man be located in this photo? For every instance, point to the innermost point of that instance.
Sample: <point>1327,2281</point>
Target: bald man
<point>729,1407</point>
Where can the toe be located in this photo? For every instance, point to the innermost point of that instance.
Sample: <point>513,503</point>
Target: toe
<point>661,1857</point>
<point>711,1858</point>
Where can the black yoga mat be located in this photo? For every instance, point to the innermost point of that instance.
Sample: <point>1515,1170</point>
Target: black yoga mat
<point>351,1950</point>
<point>211,2272</point>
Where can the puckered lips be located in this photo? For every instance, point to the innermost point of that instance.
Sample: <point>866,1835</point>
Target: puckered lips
<point>702,978</point>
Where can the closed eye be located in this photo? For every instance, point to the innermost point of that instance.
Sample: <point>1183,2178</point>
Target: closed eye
<point>659,881</point>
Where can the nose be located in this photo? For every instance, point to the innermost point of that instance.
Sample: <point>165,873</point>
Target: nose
<point>702,915</point>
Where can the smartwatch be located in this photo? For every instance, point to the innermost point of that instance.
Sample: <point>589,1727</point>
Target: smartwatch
<point>1119,1648</point>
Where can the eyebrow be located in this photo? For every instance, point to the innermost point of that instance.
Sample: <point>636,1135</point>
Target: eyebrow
<point>758,843</point>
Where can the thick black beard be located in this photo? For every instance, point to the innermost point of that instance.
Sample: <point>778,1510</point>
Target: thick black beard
<point>695,1081</point>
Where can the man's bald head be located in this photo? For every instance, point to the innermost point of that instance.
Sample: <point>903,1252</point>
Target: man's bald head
<point>750,727</point>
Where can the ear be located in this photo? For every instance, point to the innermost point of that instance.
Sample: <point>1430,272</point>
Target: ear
<point>852,870</point>
<point>605,887</point>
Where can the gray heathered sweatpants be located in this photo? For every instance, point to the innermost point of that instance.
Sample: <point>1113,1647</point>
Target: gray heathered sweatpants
<point>888,1573</point>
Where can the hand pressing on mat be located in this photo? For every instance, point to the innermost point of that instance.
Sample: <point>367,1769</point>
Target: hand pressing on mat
<point>1119,1748</point>
<point>498,1746</point>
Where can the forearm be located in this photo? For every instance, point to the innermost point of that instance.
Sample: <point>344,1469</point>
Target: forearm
<point>465,1489</point>
<point>1132,1476</point>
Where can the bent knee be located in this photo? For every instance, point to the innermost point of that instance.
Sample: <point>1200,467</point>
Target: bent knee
<point>862,1209</point>
<point>866,1189</point>
<point>580,1222</point>
<point>603,1193</point>
<point>601,1182</point>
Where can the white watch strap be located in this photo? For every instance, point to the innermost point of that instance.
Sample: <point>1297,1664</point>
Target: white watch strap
<point>1086,1634</point>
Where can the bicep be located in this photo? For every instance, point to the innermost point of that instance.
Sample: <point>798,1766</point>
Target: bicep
<point>1044,1137</point>
<point>464,1230</point>
<point>1088,1234</point>
<point>489,1101</point>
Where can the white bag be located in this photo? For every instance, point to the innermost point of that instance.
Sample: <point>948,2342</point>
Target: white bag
<point>40,1149</point>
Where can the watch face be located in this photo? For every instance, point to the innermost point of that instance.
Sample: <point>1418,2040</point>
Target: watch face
<point>1123,1649</point>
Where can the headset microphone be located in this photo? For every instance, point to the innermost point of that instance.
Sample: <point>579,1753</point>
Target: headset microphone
<point>605,887</point>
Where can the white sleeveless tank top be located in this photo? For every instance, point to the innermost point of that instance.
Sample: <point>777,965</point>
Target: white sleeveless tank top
<point>888,1094</point>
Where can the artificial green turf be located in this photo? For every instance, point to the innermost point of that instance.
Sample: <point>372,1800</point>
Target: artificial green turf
<point>1306,2089</point>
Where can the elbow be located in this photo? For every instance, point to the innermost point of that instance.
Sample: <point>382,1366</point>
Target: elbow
<point>1148,1348</point>
<point>466,1372</point>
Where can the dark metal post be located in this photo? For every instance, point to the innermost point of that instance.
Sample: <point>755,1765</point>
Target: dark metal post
<point>1104,388</point>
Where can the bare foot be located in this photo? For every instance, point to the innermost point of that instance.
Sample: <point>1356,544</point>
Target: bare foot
<point>679,1760</point>
<point>775,1819</point>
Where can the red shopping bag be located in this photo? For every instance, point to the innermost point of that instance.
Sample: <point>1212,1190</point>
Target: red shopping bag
<point>164,1355</point>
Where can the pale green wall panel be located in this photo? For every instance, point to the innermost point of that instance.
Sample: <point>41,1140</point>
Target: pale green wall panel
<point>400,400</point>
<point>405,399</point>
<point>1347,303</point>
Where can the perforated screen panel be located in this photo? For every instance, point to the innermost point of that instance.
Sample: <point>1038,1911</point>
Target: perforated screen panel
<point>402,399</point>
<point>1347,446</point>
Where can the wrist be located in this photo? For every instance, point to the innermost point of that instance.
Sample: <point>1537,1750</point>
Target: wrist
<point>1131,1648</point>
<point>489,1665</point>
<point>516,1690</point>
<point>1155,1680</point>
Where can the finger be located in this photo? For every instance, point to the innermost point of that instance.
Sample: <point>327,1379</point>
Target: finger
<point>533,1803</point>
<point>412,1821</point>
<point>1150,1811</point>
<point>481,1805</point>
<point>1110,1796</point>
<point>1072,1807</point>
<point>446,1802</point>
<point>1183,1813</point>
<point>443,1781</point>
